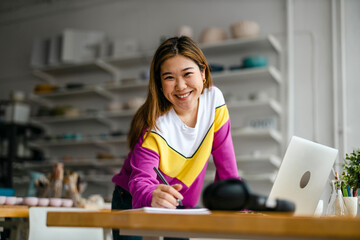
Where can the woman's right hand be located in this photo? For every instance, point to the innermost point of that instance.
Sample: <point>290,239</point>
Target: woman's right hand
<point>165,196</point>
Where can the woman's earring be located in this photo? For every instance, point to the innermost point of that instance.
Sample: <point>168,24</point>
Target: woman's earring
<point>204,81</point>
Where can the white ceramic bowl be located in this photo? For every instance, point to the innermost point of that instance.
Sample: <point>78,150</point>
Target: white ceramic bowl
<point>43,202</point>
<point>31,201</point>
<point>19,200</point>
<point>55,202</point>
<point>67,203</point>
<point>213,35</point>
<point>244,29</point>
<point>115,106</point>
<point>2,200</point>
<point>10,201</point>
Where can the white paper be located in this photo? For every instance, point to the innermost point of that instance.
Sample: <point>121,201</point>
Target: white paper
<point>194,211</point>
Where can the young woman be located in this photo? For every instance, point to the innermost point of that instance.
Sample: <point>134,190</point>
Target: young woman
<point>182,122</point>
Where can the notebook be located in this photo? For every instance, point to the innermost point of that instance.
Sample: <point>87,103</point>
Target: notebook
<point>303,174</point>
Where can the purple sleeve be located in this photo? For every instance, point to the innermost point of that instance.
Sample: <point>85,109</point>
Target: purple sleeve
<point>143,180</point>
<point>223,153</point>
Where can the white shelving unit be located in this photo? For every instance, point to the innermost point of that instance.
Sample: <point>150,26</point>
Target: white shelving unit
<point>259,150</point>
<point>241,82</point>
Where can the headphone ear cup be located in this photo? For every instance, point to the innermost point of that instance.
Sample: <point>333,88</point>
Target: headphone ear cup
<point>230,194</point>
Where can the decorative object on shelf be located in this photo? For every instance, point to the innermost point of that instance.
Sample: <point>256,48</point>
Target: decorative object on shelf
<point>185,30</point>
<point>10,201</point>
<point>235,67</point>
<point>19,200</point>
<point>213,35</point>
<point>74,187</point>
<point>45,88</point>
<point>258,96</point>
<point>55,202</point>
<point>145,75</point>
<point>105,156</point>
<point>44,202</point>
<point>94,201</point>
<point>2,200</point>
<point>123,48</point>
<point>64,110</point>
<point>39,52</point>
<point>254,61</point>
<point>57,179</point>
<point>67,202</point>
<point>72,112</point>
<point>115,106</point>
<point>74,86</point>
<point>80,45</point>
<point>17,111</point>
<point>128,81</point>
<point>216,67</point>
<point>31,201</point>
<point>244,29</point>
<point>134,103</point>
<point>263,122</point>
<point>70,46</point>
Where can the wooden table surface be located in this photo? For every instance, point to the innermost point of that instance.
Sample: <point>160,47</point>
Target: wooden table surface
<point>216,224</point>
<point>14,211</point>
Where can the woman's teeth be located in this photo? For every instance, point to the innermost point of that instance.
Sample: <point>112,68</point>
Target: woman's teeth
<point>184,96</point>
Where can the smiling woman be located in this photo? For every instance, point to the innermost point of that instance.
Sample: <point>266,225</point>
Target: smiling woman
<point>183,121</point>
<point>182,84</point>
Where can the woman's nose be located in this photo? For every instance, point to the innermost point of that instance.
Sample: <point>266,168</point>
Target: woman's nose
<point>180,84</point>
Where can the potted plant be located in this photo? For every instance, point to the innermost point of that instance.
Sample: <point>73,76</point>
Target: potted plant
<point>351,176</point>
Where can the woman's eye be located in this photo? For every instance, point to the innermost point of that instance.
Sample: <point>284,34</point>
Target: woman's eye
<point>169,78</point>
<point>188,74</point>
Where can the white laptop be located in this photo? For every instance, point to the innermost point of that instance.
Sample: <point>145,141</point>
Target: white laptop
<point>303,174</point>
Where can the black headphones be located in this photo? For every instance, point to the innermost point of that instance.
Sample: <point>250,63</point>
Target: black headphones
<point>234,195</point>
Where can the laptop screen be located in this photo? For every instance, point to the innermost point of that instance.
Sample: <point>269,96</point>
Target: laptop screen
<point>303,174</point>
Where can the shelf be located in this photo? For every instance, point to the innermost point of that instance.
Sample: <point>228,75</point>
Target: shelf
<point>64,143</point>
<point>63,119</point>
<point>251,74</point>
<point>121,114</point>
<point>131,60</point>
<point>98,178</point>
<point>64,69</point>
<point>86,91</point>
<point>69,164</point>
<point>266,107</point>
<point>99,117</point>
<point>249,133</point>
<point>94,65</point>
<point>251,164</point>
<point>138,85</point>
<point>238,45</point>
<point>267,177</point>
<point>87,178</point>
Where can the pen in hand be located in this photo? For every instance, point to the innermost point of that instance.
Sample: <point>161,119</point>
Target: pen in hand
<point>165,182</point>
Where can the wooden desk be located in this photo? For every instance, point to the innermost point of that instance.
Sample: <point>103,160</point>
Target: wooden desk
<point>18,222</point>
<point>14,211</point>
<point>215,225</point>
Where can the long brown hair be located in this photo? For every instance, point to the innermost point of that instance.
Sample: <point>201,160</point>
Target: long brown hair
<point>156,104</point>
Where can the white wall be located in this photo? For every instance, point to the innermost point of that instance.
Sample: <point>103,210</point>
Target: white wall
<point>352,72</point>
